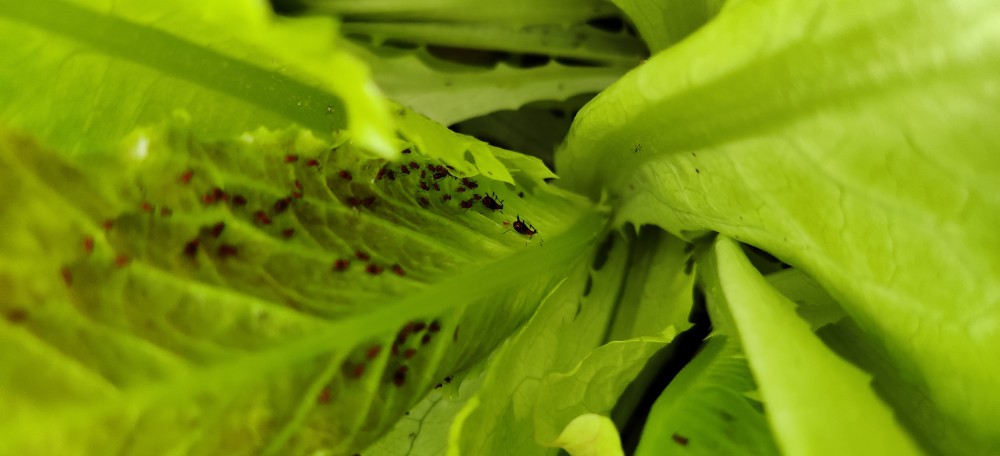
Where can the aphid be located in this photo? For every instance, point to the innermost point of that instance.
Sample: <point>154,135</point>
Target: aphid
<point>358,370</point>
<point>122,260</point>
<point>191,248</point>
<point>362,256</point>
<point>67,276</point>
<point>439,175</point>
<point>297,184</point>
<point>208,198</point>
<point>403,169</point>
<point>423,186</point>
<point>409,353</point>
<point>17,315</point>
<point>423,174</point>
<point>414,165</point>
<point>217,229</point>
<point>374,269</point>
<point>520,194</point>
<point>467,204</point>
<point>312,162</point>
<point>381,172</point>
<point>107,225</point>
<point>430,167</point>
<point>291,158</point>
<point>425,340</point>
<point>297,195</point>
<point>680,439</point>
<point>423,202</point>
<point>446,198</point>
<point>166,212</point>
<point>341,265</point>
<point>447,380</point>
<point>369,201</point>
<point>419,326</point>
<point>88,245</point>
<point>262,218</point>
<point>146,207</point>
<point>288,232</point>
<point>186,177</point>
<point>398,270</point>
<point>239,200</point>
<point>399,377</point>
<point>434,327</point>
<point>373,351</point>
<point>406,151</point>
<point>438,386</point>
<point>469,183</point>
<point>282,205</point>
<point>354,201</point>
<point>477,196</point>
<point>492,202</point>
<point>219,195</point>
<point>391,175</point>
<point>460,189</point>
<point>324,395</point>
<point>524,227</point>
<point>345,175</point>
<point>227,250</point>
<point>436,188</point>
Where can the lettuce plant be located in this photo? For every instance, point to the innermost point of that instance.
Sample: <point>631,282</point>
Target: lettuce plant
<point>231,230</point>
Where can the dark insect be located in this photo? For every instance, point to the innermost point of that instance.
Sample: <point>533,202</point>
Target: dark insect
<point>262,218</point>
<point>425,340</point>
<point>362,256</point>
<point>227,250</point>
<point>406,151</point>
<point>298,184</point>
<point>219,195</point>
<point>358,370</point>
<point>312,162</point>
<point>217,229</point>
<point>107,225</point>
<point>436,187</point>
<point>467,204</point>
<point>460,189</point>
<point>492,202</point>
<point>191,248</point>
<point>419,326</point>
<point>423,202</point>
<point>524,227</point>
<point>680,439</point>
<point>291,158</point>
<point>381,172</point>
<point>414,165</point>
<point>373,351</point>
<point>369,201</point>
<point>398,270</point>
<point>122,260</point>
<point>88,245</point>
<point>423,174</point>
<point>399,377</point>
<point>440,175</point>
<point>67,276</point>
<point>423,186</point>
<point>373,269</point>
<point>403,169</point>
<point>430,167</point>
<point>409,353</point>
<point>469,183</point>
<point>297,195</point>
<point>186,177</point>
<point>341,265</point>
<point>434,327</point>
<point>324,395</point>
<point>354,201</point>
<point>146,207</point>
<point>446,198</point>
<point>345,175</point>
<point>166,212</point>
<point>282,205</point>
<point>520,194</point>
<point>391,175</point>
<point>447,379</point>
<point>239,200</point>
<point>288,232</point>
<point>17,315</point>
<point>476,196</point>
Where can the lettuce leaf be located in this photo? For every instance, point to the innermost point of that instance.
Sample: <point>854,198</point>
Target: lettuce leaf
<point>858,145</point>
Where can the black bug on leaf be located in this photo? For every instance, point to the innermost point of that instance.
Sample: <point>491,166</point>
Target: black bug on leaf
<point>492,202</point>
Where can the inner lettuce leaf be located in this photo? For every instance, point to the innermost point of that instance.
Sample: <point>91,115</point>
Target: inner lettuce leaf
<point>827,406</point>
<point>857,143</point>
<point>83,73</point>
<point>512,11</point>
<point>273,293</point>
<point>662,24</point>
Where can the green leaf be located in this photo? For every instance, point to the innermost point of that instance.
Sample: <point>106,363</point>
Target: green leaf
<point>83,74</point>
<point>449,92</point>
<point>514,11</point>
<point>661,24</point>
<point>181,295</point>
<point>705,409</point>
<point>827,407</point>
<point>859,146</point>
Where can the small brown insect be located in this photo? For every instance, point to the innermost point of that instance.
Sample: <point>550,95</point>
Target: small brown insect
<point>467,204</point>
<point>426,339</point>
<point>217,229</point>
<point>341,265</point>
<point>345,175</point>
<point>680,439</point>
<point>291,158</point>
<point>409,353</point>
<point>227,250</point>
<point>398,270</point>
<point>239,200</point>
<point>107,225</point>
<point>406,151</point>
<point>414,165</point>
<point>146,207</point>
<point>399,377</point>
<point>403,169</point>
<point>67,276</point>
<point>423,202</point>
<point>312,163</point>
<point>324,395</point>
<point>88,245</point>
<point>262,218</point>
<point>423,186</point>
<point>191,248</point>
<point>297,184</point>
<point>373,351</point>
<point>288,232</point>
<point>493,203</point>
<point>381,172</point>
<point>282,204</point>
<point>122,260</point>
<point>166,212</point>
<point>362,255</point>
<point>374,269</point>
<point>446,198</point>
<point>524,227</point>
<point>186,177</point>
<point>434,327</point>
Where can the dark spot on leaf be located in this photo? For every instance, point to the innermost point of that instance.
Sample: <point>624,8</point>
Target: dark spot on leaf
<point>291,158</point>
<point>88,245</point>
<point>426,339</point>
<point>409,353</point>
<point>262,218</point>
<point>680,439</point>
<point>239,200</point>
<point>373,269</point>
<point>217,229</point>
<point>191,248</point>
<point>398,270</point>
<point>399,377</point>
<point>67,276</point>
<point>312,162</point>
<point>341,265</point>
<point>227,250</point>
<point>362,256</point>
<point>186,177</point>
<point>282,205</point>
<point>122,260</point>
<point>373,351</point>
<point>324,395</point>
<point>146,207</point>
<point>520,194</point>
<point>17,315</point>
<point>288,232</point>
<point>434,327</point>
<point>423,201</point>
<point>345,175</point>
